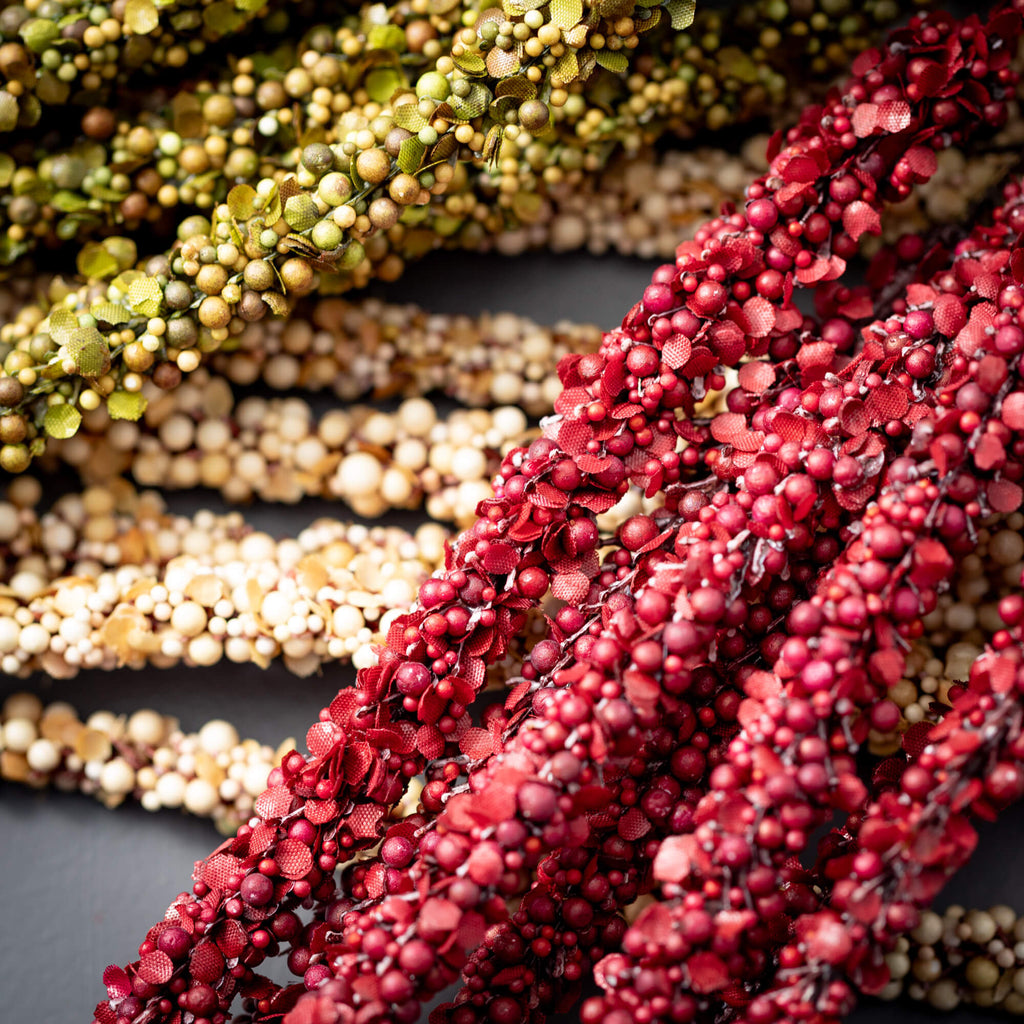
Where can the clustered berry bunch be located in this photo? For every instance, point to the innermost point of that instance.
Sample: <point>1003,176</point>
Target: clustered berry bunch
<point>702,586</point>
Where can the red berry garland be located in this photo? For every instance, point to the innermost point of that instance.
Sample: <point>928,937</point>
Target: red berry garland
<point>727,296</point>
<point>790,766</point>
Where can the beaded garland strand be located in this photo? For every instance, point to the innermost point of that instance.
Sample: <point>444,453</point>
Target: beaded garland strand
<point>263,245</point>
<point>209,136</point>
<point>201,998</point>
<point>107,578</point>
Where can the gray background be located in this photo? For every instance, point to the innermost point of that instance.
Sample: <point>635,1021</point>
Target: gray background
<point>81,885</point>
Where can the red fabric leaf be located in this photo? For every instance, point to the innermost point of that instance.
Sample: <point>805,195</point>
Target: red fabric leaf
<point>323,737</point>
<point>865,119</point>
<point>438,918</point>
<point>117,981</point>
<point>294,858</point>
<point>860,217</point>
<point>949,316</point>
<point>476,743</point>
<point>206,962</point>
<point>854,417</point>
<point>1004,495</point>
<point>363,820</point>
<point>762,685</point>
<point>500,559</point>
<point>633,825</point>
<point>886,667</point>
<point>216,870</point>
<point>888,402</point>
<point>759,315</point>
<point>230,938</point>
<point>275,802</point>
<point>708,973</point>
<point>756,377</point>
<point>989,452</point>
<point>156,968</point>
<point>800,168</point>
<point>570,587</point>
<point>676,351</point>
<point>674,859</point>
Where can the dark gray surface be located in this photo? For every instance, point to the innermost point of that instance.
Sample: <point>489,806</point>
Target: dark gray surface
<point>81,885</point>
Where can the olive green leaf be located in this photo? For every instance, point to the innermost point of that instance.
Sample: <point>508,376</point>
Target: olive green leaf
<point>110,313</point>
<point>145,296</point>
<point>241,202</point>
<point>472,105</point>
<point>8,111</point>
<point>681,12</point>
<point>38,33</point>
<point>408,116</point>
<point>62,421</point>
<point>381,83</point>
<point>410,155</point>
<point>612,60</point>
<point>61,325</point>
<point>386,37</point>
<point>300,212</point>
<point>471,64</point>
<point>126,405</point>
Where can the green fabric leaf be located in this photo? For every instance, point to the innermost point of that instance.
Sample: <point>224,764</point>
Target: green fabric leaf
<point>410,155</point>
<point>468,108</point>
<point>126,405</point>
<point>241,202</point>
<point>94,261</point>
<point>471,64</point>
<point>612,60</point>
<point>301,213</point>
<point>110,313</point>
<point>381,83</point>
<point>61,325</point>
<point>8,111</point>
<point>69,202</point>
<point>62,421</point>
<point>681,12</point>
<point>386,37</point>
<point>145,296</point>
<point>38,33</point>
<point>408,116</point>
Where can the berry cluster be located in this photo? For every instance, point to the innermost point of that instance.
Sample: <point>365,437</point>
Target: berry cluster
<point>690,718</point>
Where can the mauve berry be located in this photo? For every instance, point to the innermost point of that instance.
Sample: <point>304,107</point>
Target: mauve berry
<point>848,472</point>
<point>820,464</point>
<point>505,1010</point>
<point>545,655</point>
<point>397,851</point>
<point>532,583</point>
<point>643,360</point>
<point>918,324</point>
<point>637,531</point>
<point>257,890</point>
<point>201,1000</point>
<point>412,679</point>
<point>709,299</point>
<point>174,941</point>
<point>762,214</point>
<point>395,987</point>
<point>1009,340</point>
<point>416,956</point>
<point>536,801</point>
<point>658,298</point>
<point>316,976</point>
